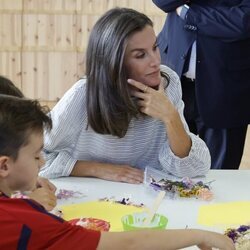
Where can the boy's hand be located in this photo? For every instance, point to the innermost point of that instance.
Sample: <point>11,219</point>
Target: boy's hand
<point>45,197</point>
<point>215,240</point>
<point>45,183</point>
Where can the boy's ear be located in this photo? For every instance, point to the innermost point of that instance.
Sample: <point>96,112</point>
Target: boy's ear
<point>4,166</point>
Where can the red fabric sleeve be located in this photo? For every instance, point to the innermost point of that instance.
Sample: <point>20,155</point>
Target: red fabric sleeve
<point>47,231</point>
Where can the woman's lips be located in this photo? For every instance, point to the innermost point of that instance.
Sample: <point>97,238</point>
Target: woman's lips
<point>157,72</point>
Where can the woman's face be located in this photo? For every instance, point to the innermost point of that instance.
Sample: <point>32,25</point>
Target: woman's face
<point>142,58</point>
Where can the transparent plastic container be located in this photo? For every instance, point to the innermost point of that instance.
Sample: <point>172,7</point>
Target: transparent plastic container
<point>136,221</point>
<point>156,174</point>
<point>173,192</point>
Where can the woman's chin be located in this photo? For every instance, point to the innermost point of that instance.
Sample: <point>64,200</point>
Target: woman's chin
<point>154,85</point>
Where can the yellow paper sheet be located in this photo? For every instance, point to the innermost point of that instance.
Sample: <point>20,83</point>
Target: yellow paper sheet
<point>225,214</point>
<point>108,211</point>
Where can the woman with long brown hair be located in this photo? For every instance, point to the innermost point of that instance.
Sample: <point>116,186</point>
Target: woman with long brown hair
<point>126,114</point>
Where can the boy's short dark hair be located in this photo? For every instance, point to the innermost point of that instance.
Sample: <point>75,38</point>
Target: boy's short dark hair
<point>19,117</point>
<point>8,88</point>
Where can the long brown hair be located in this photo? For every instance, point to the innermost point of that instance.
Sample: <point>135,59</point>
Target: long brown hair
<point>109,103</point>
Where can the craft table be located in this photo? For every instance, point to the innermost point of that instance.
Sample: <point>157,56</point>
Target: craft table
<point>228,186</point>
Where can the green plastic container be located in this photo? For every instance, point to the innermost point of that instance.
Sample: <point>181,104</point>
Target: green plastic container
<point>135,222</point>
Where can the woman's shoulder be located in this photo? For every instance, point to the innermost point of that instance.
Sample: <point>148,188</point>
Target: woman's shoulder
<point>80,84</point>
<point>173,89</point>
<point>173,77</point>
<point>77,89</point>
<point>74,98</point>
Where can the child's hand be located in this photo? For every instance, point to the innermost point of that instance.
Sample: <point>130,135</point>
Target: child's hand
<point>43,182</point>
<point>45,197</point>
<point>212,240</point>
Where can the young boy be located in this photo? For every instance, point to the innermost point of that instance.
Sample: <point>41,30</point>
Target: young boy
<point>44,193</point>
<point>24,224</point>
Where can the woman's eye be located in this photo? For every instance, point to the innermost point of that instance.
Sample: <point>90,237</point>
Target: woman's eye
<point>156,46</point>
<point>37,158</point>
<point>140,55</point>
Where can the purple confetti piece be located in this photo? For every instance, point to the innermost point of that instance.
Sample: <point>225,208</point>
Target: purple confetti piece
<point>66,194</point>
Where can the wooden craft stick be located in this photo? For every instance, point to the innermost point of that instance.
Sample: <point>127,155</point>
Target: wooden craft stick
<point>154,207</point>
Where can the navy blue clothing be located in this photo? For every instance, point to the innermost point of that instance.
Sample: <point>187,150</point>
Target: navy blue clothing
<point>226,145</point>
<point>221,29</point>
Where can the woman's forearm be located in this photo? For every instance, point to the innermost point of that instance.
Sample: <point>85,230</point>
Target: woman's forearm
<point>86,169</point>
<point>108,171</point>
<point>179,140</point>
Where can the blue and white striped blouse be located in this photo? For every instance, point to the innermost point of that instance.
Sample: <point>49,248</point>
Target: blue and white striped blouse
<point>144,145</point>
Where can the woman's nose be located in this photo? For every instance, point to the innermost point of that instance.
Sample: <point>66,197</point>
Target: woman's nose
<point>155,59</point>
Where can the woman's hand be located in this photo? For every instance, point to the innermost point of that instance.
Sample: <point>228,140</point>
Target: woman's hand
<point>106,171</point>
<point>45,197</point>
<point>121,173</point>
<point>153,102</point>
<point>156,104</point>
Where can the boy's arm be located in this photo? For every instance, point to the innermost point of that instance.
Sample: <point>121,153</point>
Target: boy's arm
<point>164,239</point>
<point>44,197</point>
<point>45,183</point>
<point>50,232</point>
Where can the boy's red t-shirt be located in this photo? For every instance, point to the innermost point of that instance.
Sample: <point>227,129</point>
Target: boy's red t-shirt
<point>26,225</point>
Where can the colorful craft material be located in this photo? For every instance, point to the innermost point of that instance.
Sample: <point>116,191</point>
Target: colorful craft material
<point>67,194</point>
<point>91,223</point>
<point>240,236</point>
<point>123,201</point>
<point>184,188</point>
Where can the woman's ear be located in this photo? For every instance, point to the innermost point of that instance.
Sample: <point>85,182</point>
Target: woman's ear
<point>4,166</point>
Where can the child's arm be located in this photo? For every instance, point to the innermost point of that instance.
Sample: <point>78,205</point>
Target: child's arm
<point>44,196</point>
<point>165,239</point>
<point>44,182</point>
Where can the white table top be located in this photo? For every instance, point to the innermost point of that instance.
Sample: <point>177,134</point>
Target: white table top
<point>229,185</point>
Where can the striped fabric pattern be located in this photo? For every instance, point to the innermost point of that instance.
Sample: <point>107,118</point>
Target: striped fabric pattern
<point>145,144</point>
